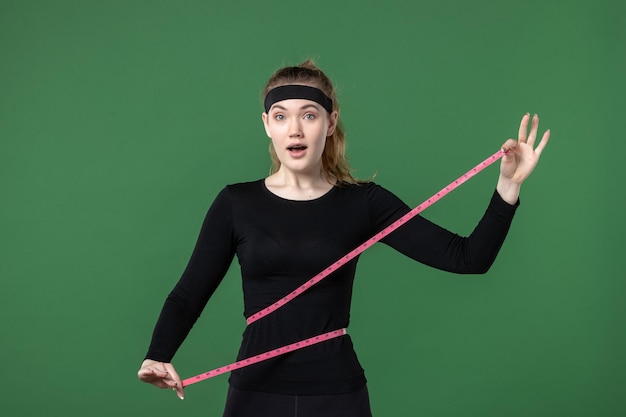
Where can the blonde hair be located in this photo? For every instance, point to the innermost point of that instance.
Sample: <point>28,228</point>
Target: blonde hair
<point>335,167</point>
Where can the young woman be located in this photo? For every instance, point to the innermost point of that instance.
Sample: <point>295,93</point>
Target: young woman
<point>288,227</point>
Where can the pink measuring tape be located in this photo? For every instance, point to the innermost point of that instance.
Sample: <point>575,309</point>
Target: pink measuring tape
<point>332,268</point>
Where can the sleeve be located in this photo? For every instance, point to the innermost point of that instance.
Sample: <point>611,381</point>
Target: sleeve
<point>210,260</point>
<point>435,246</point>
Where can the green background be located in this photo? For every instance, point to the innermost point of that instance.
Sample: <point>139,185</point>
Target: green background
<point>121,120</point>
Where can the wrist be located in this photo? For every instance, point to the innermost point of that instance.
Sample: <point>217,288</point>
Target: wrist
<point>508,190</point>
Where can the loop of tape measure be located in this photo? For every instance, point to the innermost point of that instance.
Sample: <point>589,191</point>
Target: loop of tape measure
<point>332,268</point>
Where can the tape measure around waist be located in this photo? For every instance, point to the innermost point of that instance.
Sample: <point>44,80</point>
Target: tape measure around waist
<point>329,270</point>
<point>265,356</point>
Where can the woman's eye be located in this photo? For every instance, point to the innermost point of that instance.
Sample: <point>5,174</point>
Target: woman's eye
<point>279,117</point>
<point>309,116</point>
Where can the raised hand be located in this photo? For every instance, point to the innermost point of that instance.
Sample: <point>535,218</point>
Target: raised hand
<point>521,158</point>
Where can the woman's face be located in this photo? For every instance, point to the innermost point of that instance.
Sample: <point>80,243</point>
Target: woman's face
<point>298,129</point>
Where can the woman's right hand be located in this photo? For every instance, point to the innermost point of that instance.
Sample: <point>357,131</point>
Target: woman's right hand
<point>162,375</point>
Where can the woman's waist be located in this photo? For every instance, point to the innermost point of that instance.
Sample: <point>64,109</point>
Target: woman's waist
<point>260,338</point>
<point>330,365</point>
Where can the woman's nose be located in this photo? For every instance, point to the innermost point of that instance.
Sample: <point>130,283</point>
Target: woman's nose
<point>295,128</point>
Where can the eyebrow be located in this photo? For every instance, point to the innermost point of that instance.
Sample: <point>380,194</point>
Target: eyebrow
<point>306,106</point>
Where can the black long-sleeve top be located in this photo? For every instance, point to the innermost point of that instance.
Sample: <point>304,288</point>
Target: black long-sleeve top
<point>282,243</point>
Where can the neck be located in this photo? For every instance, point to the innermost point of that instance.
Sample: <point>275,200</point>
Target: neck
<point>297,186</point>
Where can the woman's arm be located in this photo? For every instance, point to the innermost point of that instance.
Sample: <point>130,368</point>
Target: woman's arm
<point>212,255</point>
<point>433,245</point>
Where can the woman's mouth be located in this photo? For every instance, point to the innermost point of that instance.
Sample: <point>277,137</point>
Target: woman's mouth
<point>297,150</point>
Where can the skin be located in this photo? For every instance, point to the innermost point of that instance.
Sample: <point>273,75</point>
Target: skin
<point>162,375</point>
<point>521,158</point>
<point>306,123</point>
<point>300,177</point>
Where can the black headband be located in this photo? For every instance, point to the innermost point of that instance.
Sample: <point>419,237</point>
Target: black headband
<point>286,92</point>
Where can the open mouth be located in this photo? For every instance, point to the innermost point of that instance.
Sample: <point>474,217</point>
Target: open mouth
<point>296,148</point>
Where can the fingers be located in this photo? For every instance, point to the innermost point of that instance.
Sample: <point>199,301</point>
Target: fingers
<point>523,128</point>
<point>162,375</point>
<point>544,141</point>
<point>175,382</point>
<point>520,156</point>
<point>524,136</point>
<point>150,375</point>
<point>508,145</point>
<point>532,135</point>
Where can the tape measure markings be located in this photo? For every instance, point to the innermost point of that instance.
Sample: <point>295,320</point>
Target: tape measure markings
<point>328,271</point>
<point>377,237</point>
<point>265,356</point>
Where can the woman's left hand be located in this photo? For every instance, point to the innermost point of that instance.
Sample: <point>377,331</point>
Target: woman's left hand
<point>520,159</point>
<point>521,155</point>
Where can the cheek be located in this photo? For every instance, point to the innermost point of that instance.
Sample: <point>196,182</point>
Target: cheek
<point>321,146</point>
<point>275,130</point>
<point>322,136</point>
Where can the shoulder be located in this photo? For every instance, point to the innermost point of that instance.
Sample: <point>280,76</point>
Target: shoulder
<point>243,195</point>
<point>373,192</point>
<point>232,193</point>
<point>377,199</point>
<point>383,205</point>
<point>243,189</point>
<point>357,188</point>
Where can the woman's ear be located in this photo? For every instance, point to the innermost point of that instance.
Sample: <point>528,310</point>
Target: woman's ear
<point>333,119</point>
<point>265,120</point>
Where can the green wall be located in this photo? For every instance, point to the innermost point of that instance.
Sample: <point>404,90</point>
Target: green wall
<point>121,120</point>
